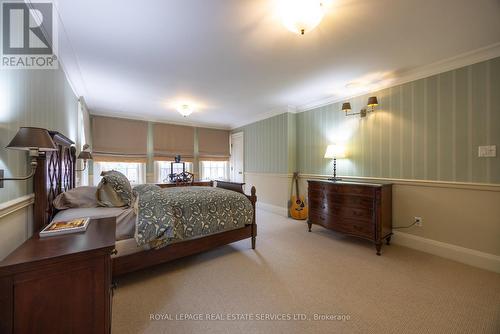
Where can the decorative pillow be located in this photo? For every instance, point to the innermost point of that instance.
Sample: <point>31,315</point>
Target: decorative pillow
<point>114,190</point>
<point>80,197</point>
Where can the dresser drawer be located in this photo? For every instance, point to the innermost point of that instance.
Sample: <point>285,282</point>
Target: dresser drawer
<point>332,188</point>
<point>321,218</point>
<point>354,227</point>
<point>334,208</point>
<point>365,214</point>
<point>352,201</point>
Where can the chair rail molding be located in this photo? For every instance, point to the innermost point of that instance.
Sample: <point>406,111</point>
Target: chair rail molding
<point>411,182</point>
<point>14,205</point>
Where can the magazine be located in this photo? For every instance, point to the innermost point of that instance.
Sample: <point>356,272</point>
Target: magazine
<point>65,227</point>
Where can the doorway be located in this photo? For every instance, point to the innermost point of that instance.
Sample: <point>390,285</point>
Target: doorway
<point>237,158</point>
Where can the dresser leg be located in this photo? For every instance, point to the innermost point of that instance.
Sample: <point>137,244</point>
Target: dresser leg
<point>378,245</point>
<point>388,240</point>
<point>253,242</point>
<point>309,225</point>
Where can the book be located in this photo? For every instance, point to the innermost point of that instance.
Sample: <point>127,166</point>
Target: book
<point>65,227</point>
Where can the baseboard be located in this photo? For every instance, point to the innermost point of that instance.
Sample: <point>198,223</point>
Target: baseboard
<point>272,208</point>
<point>460,254</point>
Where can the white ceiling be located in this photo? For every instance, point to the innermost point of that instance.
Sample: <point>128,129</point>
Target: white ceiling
<point>235,60</point>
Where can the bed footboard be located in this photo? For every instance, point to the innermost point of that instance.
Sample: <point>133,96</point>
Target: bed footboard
<point>238,187</point>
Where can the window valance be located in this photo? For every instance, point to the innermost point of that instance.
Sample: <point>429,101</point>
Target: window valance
<point>171,140</point>
<point>213,144</point>
<point>118,139</point>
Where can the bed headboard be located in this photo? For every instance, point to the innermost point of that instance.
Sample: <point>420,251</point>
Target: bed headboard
<point>55,174</point>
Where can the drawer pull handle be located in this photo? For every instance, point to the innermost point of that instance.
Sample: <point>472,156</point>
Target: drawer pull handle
<point>114,252</point>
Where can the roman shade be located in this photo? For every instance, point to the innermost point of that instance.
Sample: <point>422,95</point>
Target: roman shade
<point>119,140</point>
<point>213,144</point>
<point>171,140</point>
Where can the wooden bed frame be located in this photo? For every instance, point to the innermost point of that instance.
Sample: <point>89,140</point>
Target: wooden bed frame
<point>56,173</point>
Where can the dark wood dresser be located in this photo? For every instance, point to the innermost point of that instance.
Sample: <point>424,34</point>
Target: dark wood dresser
<point>59,284</point>
<point>363,210</point>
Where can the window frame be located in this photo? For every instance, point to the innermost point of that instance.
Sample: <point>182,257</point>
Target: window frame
<point>157,172</point>
<point>225,169</point>
<point>100,166</point>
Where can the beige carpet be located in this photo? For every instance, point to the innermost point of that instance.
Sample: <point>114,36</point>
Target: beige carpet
<point>296,272</point>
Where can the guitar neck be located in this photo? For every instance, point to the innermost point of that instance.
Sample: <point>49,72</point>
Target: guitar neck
<point>297,185</point>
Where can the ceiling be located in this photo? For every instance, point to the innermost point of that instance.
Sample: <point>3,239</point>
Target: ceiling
<point>235,60</point>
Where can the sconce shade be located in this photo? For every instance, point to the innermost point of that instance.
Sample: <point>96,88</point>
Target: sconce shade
<point>346,106</point>
<point>335,151</point>
<point>29,138</point>
<point>372,101</point>
<point>85,155</point>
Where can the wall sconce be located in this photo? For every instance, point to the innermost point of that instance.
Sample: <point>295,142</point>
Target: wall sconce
<point>372,103</point>
<point>34,140</point>
<point>84,155</point>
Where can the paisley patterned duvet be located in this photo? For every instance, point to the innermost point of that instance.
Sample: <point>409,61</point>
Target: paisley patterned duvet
<point>182,213</point>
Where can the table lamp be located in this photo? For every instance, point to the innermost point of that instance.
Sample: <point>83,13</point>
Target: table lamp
<point>335,152</point>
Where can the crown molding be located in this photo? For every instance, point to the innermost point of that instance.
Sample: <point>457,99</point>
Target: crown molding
<point>137,117</point>
<point>449,64</point>
<point>266,115</point>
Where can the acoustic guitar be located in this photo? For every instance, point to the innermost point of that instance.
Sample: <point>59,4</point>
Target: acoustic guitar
<point>298,208</point>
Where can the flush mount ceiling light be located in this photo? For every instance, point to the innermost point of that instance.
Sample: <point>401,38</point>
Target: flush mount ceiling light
<point>301,16</point>
<point>185,110</point>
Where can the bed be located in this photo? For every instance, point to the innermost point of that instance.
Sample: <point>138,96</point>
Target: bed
<point>56,174</point>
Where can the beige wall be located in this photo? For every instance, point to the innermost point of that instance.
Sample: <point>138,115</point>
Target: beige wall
<point>15,223</point>
<point>272,189</point>
<point>463,217</point>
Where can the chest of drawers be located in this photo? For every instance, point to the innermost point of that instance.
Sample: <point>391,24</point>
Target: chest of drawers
<point>363,210</point>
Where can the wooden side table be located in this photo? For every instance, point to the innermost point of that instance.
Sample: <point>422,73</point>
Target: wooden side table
<point>59,284</point>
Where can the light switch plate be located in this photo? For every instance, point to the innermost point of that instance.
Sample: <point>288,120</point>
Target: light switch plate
<point>489,151</point>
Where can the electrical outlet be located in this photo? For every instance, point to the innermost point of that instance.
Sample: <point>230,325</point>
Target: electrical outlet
<point>418,221</point>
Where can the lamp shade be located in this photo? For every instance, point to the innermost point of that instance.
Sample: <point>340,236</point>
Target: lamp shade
<point>335,151</point>
<point>29,138</point>
<point>85,155</point>
<point>346,106</point>
<point>372,101</point>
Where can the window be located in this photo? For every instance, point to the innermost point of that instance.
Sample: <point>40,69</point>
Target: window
<point>134,171</point>
<point>162,170</point>
<point>214,170</point>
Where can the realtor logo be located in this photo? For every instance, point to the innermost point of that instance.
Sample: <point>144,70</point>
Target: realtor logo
<point>28,35</point>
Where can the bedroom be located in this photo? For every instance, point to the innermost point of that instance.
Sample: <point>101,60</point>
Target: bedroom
<point>190,132</point>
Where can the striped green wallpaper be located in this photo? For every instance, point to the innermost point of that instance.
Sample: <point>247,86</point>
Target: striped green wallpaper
<point>428,129</point>
<point>40,98</point>
<point>267,144</point>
